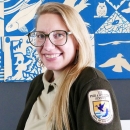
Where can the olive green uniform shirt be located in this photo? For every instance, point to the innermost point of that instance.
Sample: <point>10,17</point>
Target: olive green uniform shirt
<point>92,102</point>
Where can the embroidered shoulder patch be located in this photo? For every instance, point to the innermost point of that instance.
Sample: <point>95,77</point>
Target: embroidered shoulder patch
<point>100,106</point>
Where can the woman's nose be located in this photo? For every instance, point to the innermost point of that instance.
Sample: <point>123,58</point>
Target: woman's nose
<point>48,45</point>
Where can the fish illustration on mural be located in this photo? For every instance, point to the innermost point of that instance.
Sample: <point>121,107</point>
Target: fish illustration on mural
<point>25,14</point>
<point>118,62</point>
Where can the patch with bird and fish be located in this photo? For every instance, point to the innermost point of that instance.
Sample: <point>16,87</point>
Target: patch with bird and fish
<point>100,106</point>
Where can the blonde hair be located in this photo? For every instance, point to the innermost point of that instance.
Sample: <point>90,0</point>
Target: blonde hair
<point>60,108</point>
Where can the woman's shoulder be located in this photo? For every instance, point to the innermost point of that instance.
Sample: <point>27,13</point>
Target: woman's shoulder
<point>36,81</point>
<point>37,78</point>
<point>90,78</point>
<point>90,73</point>
<point>35,84</point>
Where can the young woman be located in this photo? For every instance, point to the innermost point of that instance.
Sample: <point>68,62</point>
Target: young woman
<point>70,95</point>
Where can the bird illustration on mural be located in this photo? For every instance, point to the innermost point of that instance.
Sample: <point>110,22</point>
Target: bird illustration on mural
<point>79,7</point>
<point>127,10</point>
<point>101,9</point>
<point>113,43</point>
<point>117,62</point>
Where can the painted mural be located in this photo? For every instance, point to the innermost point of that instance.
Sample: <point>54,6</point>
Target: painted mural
<point>108,22</point>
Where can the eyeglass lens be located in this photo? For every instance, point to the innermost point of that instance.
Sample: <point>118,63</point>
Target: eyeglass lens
<point>57,37</point>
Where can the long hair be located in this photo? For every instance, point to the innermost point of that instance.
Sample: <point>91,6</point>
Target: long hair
<point>58,116</point>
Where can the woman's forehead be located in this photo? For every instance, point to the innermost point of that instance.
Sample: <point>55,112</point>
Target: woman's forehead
<point>50,22</point>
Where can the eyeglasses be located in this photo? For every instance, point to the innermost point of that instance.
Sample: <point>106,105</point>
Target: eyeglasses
<point>57,37</point>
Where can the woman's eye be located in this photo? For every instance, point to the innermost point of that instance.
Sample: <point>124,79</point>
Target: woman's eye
<point>40,36</point>
<point>58,35</point>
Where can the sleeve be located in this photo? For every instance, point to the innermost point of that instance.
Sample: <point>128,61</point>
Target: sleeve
<point>31,88</point>
<point>31,98</point>
<point>97,107</point>
<point>33,85</point>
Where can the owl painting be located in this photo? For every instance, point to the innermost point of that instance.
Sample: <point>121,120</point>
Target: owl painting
<point>101,9</point>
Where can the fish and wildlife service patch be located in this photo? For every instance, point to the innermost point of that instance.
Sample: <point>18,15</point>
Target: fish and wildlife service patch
<point>100,105</point>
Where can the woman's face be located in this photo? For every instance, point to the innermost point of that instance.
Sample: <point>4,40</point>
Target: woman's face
<point>55,58</point>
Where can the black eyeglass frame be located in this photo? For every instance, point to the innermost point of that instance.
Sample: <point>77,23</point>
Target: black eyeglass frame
<point>47,35</point>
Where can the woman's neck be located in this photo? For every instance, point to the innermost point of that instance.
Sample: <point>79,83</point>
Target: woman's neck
<point>58,73</point>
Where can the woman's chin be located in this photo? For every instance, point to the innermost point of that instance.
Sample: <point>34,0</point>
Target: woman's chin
<point>51,68</point>
<point>54,68</point>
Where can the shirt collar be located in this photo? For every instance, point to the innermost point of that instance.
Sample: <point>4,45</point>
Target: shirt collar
<point>56,83</point>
